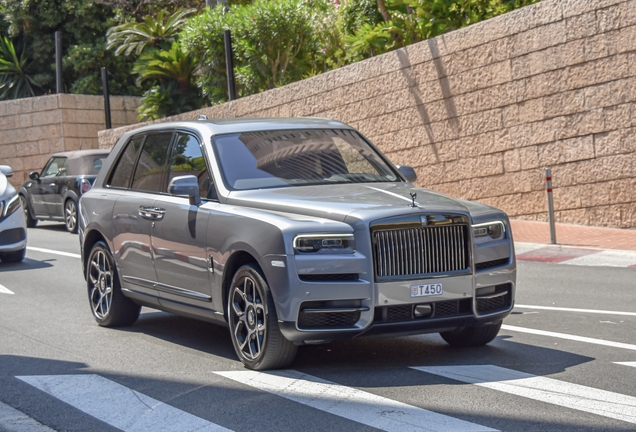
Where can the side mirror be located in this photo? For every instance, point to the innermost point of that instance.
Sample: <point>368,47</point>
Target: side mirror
<point>408,172</point>
<point>6,170</point>
<point>34,175</point>
<point>187,185</point>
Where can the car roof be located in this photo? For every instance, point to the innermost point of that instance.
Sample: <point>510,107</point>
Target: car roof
<point>244,124</point>
<point>76,154</point>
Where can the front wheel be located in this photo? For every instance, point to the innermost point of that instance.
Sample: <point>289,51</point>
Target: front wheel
<point>109,305</point>
<point>472,336</point>
<point>70,216</point>
<point>254,329</point>
<point>30,222</point>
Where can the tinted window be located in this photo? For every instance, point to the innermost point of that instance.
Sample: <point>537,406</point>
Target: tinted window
<point>255,160</point>
<point>187,159</point>
<point>151,167</point>
<point>55,167</point>
<point>124,167</point>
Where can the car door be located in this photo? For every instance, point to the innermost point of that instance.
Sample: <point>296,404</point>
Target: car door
<point>43,189</point>
<point>179,239</point>
<point>141,174</point>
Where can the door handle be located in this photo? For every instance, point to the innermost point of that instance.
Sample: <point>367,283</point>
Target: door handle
<point>151,213</point>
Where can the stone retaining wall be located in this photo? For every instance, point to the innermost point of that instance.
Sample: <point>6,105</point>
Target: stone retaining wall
<point>480,112</point>
<point>33,128</point>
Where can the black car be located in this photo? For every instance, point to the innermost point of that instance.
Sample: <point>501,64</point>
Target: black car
<point>53,194</point>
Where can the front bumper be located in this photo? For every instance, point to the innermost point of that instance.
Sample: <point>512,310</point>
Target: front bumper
<point>13,233</point>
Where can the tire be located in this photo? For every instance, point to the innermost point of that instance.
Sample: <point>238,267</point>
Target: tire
<point>472,336</point>
<point>108,304</point>
<point>254,330</point>
<point>30,222</point>
<point>70,216</point>
<point>13,257</point>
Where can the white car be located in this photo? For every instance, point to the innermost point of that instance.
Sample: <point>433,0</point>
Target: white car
<point>13,233</point>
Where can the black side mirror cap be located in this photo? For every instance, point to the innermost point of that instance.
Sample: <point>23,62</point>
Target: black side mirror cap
<point>187,185</point>
<point>408,172</point>
<point>34,175</point>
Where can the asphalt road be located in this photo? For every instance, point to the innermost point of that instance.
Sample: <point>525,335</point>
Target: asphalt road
<point>548,370</point>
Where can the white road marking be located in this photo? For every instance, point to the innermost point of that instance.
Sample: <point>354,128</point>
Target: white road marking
<point>574,396</point>
<point>350,403</point>
<point>570,337</point>
<point>594,311</point>
<point>54,252</point>
<point>14,420</point>
<point>632,364</point>
<point>610,258</point>
<point>5,290</point>
<point>117,405</point>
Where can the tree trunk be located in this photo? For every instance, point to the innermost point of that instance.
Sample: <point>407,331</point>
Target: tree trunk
<point>383,11</point>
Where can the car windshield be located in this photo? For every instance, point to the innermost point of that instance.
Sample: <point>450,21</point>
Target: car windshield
<point>268,159</point>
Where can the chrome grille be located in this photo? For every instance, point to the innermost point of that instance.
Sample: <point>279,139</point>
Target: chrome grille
<point>420,250</point>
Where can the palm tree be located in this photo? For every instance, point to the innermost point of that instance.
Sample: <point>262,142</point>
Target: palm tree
<point>135,37</point>
<point>15,82</point>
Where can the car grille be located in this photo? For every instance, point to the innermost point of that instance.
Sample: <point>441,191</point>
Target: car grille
<point>490,264</point>
<point>499,300</point>
<point>11,236</point>
<point>403,313</point>
<point>414,252</point>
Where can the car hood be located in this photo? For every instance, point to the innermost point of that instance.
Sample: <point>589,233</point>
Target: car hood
<point>336,202</point>
<point>6,189</point>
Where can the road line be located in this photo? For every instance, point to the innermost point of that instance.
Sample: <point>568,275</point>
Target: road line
<point>13,420</point>
<point>608,258</point>
<point>595,311</point>
<point>570,337</point>
<point>117,405</point>
<point>574,396</point>
<point>54,252</point>
<point>350,403</point>
<point>632,364</point>
<point>5,290</point>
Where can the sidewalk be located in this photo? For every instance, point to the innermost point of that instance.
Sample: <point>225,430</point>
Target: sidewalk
<point>576,244</point>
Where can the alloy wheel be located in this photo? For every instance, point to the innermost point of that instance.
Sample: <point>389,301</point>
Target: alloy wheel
<point>70,215</point>
<point>101,284</point>
<point>248,321</point>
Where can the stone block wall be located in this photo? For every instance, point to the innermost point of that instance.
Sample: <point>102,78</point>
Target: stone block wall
<point>31,129</point>
<point>480,112</point>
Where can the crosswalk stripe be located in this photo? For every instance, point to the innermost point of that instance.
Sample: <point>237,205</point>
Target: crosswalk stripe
<point>570,337</point>
<point>561,393</point>
<point>5,290</point>
<point>632,364</point>
<point>117,405</point>
<point>350,403</point>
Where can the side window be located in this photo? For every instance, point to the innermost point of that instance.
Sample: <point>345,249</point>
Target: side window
<point>187,159</point>
<point>152,163</point>
<point>120,176</point>
<point>55,167</point>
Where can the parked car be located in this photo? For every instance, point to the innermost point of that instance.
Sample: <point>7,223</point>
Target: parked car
<point>13,233</point>
<point>53,193</point>
<point>289,231</point>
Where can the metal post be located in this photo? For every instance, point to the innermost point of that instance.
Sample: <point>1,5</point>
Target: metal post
<point>229,65</point>
<point>58,62</point>
<point>106,98</point>
<point>548,188</point>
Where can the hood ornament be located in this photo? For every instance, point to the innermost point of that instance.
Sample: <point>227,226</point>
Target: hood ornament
<point>413,197</point>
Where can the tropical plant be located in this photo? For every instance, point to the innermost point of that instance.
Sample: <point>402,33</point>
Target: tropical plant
<point>153,32</point>
<point>15,81</point>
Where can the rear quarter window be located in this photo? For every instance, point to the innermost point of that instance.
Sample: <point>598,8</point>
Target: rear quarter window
<point>123,169</point>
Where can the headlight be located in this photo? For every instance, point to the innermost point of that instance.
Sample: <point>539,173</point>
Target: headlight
<point>11,206</point>
<point>324,243</point>
<point>489,231</point>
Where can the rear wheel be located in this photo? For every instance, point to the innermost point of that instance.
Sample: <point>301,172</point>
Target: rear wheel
<point>30,222</point>
<point>70,216</point>
<point>13,257</point>
<point>254,329</point>
<point>109,305</point>
<point>472,336</point>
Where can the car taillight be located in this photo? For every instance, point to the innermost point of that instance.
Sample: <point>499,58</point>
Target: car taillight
<point>86,186</point>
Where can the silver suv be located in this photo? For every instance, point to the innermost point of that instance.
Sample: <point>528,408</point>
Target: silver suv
<point>289,231</point>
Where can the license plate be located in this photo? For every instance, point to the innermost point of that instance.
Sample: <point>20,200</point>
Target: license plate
<point>426,290</point>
